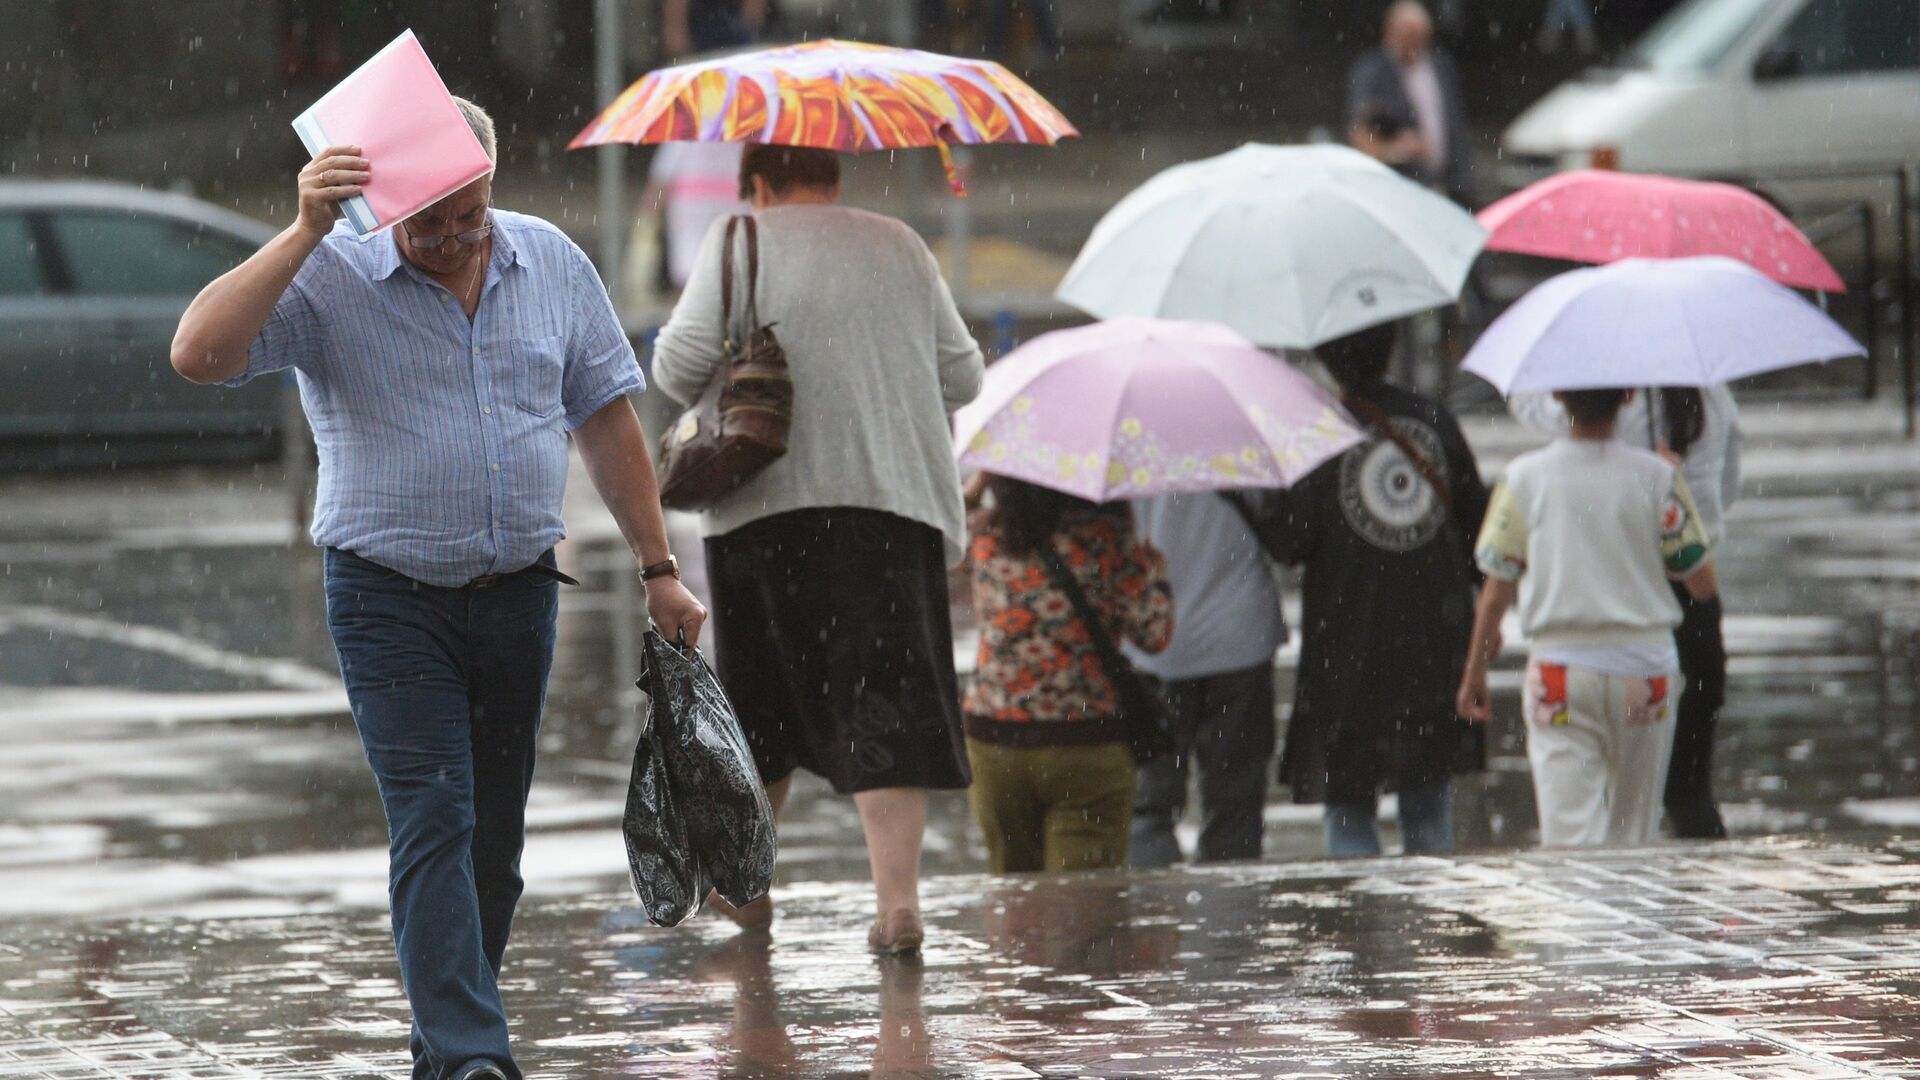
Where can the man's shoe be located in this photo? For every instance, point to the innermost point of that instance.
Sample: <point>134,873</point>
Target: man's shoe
<point>897,933</point>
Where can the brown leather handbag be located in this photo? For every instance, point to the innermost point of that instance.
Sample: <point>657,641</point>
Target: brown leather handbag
<point>740,423</point>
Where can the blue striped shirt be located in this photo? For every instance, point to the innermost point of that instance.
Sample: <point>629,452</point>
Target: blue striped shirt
<point>443,441</point>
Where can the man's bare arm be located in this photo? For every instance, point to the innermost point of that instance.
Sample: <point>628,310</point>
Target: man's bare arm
<point>615,451</point>
<point>211,342</point>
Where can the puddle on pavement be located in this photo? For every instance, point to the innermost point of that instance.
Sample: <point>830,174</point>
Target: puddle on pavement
<point>1766,959</point>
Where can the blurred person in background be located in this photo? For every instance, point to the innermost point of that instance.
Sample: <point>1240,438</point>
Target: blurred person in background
<point>1568,18</point>
<point>1046,34</point>
<point>691,185</point>
<point>444,364</point>
<point>1410,85</point>
<point>689,27</point>
<point>1053,776</point>
<point>828,568</point>
<point>1698,430</point>
<point>1217,674</point>
<point>1382,535</point>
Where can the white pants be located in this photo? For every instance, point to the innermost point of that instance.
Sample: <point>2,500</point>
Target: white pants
<point>1598,745</point>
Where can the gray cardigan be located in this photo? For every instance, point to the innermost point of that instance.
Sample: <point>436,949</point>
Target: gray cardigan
<point>879,355</point>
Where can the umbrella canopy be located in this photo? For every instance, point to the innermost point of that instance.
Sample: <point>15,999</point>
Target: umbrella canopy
<point>1654,322</point>
<point>834,95</point>
<point>1596,216</point>
<point>1289,245</point>
<point>1136,407</point>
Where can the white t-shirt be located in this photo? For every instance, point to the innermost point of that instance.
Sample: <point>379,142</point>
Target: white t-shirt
<point>1226,605</point>
<point>1711,465</point>
<point>1592,530</point>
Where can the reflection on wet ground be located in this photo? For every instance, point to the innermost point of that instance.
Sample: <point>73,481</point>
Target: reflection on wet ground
<point>1760,959</point>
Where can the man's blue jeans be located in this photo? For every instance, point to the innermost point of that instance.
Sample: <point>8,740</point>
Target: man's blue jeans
<point>1426,823</point>
<point>446,687</point>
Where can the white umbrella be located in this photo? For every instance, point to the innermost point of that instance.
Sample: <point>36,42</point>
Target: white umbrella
<point>1654,322</point>
<point>1290,245</point>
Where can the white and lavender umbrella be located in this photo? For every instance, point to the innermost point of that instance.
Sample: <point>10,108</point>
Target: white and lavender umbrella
<point>1290,245</point>
<point>1654,322</point>
<point>1136,407</point>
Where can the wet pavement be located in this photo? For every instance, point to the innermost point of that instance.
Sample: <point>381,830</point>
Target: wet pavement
<point>192,853</point>
<point>1758,959</point>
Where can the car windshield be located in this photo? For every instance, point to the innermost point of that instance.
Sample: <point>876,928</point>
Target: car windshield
<point>1696,35</point>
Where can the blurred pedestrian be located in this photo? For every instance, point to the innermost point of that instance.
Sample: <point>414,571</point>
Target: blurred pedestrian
<point>443,366</point>
<point>1000,27</point>
<point>693,185</point>
<point>828,568</point>
<point>1410,85</point>
<point>1568,18</point>
<point>1386,610</point>
<point>1053,781</point>
<point>1698,430</point>
<point>689,27</point>
<point>1217,674</point>
<point>1586,533</point>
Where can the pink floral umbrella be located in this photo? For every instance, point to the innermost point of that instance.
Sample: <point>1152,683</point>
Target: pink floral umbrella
<point>1134,407</point>
<point>1598,216</point>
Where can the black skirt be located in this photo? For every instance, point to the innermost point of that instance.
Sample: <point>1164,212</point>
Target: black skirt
<point>835,645</point>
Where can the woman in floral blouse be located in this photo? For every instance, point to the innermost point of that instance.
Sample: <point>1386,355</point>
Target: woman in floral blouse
<point>1052,776</point>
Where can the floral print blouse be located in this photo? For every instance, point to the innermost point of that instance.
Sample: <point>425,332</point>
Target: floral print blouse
<point>1039,680</point>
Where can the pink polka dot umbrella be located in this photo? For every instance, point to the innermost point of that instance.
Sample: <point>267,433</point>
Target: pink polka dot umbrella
<point>1596,216</point>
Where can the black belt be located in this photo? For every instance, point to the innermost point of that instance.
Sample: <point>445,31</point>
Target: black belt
<point>488,581</point>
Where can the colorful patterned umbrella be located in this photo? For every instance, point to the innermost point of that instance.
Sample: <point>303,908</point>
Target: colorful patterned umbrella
<point>1595,216</point>
<point>1133,407</point>
<point>835,95</point>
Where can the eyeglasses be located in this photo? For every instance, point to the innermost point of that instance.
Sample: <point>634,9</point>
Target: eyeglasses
<point>429,243</point>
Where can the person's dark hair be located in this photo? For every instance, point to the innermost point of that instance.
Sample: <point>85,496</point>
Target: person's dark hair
<point>1382,122</point>
<point>1593,406</point>
<point>1358,362</point>
<point>1685,409</point>
<point>1027,515</point>
<point>788,167</point>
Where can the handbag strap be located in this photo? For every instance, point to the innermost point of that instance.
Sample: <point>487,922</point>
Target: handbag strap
<point>1376,418</point>
<point>1112,663</point>
<point>726,284</point>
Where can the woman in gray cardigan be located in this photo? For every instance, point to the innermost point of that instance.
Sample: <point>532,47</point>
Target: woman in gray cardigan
<point>828,569</point>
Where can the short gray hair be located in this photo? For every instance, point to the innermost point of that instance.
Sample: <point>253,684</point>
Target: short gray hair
<point>482,126</point>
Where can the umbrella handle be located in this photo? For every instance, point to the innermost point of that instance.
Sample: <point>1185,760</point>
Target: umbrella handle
<point>946,162</point>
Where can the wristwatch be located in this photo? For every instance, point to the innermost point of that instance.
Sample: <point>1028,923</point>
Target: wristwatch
<point>668,567</point>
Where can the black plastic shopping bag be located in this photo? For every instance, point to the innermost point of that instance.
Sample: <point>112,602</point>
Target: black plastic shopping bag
<point>660,856</point>
<point>715,783</point>
<point>697,816</point>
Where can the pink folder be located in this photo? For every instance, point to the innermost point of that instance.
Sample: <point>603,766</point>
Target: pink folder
<point>398,112</point>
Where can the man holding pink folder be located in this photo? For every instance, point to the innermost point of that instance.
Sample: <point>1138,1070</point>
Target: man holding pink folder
<point>443,364</point>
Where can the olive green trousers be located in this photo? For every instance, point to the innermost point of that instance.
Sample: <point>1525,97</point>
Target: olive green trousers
<point>1053,807</point>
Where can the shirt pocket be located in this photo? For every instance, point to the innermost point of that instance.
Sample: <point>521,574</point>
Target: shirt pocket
<point>536,366</point>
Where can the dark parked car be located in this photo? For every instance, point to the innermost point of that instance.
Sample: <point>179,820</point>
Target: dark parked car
<point>93,278</point>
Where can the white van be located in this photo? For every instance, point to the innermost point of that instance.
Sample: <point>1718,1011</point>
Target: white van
<point>1747,91</point>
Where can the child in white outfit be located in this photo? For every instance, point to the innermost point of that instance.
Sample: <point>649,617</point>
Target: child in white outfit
<point>1584,533</point>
